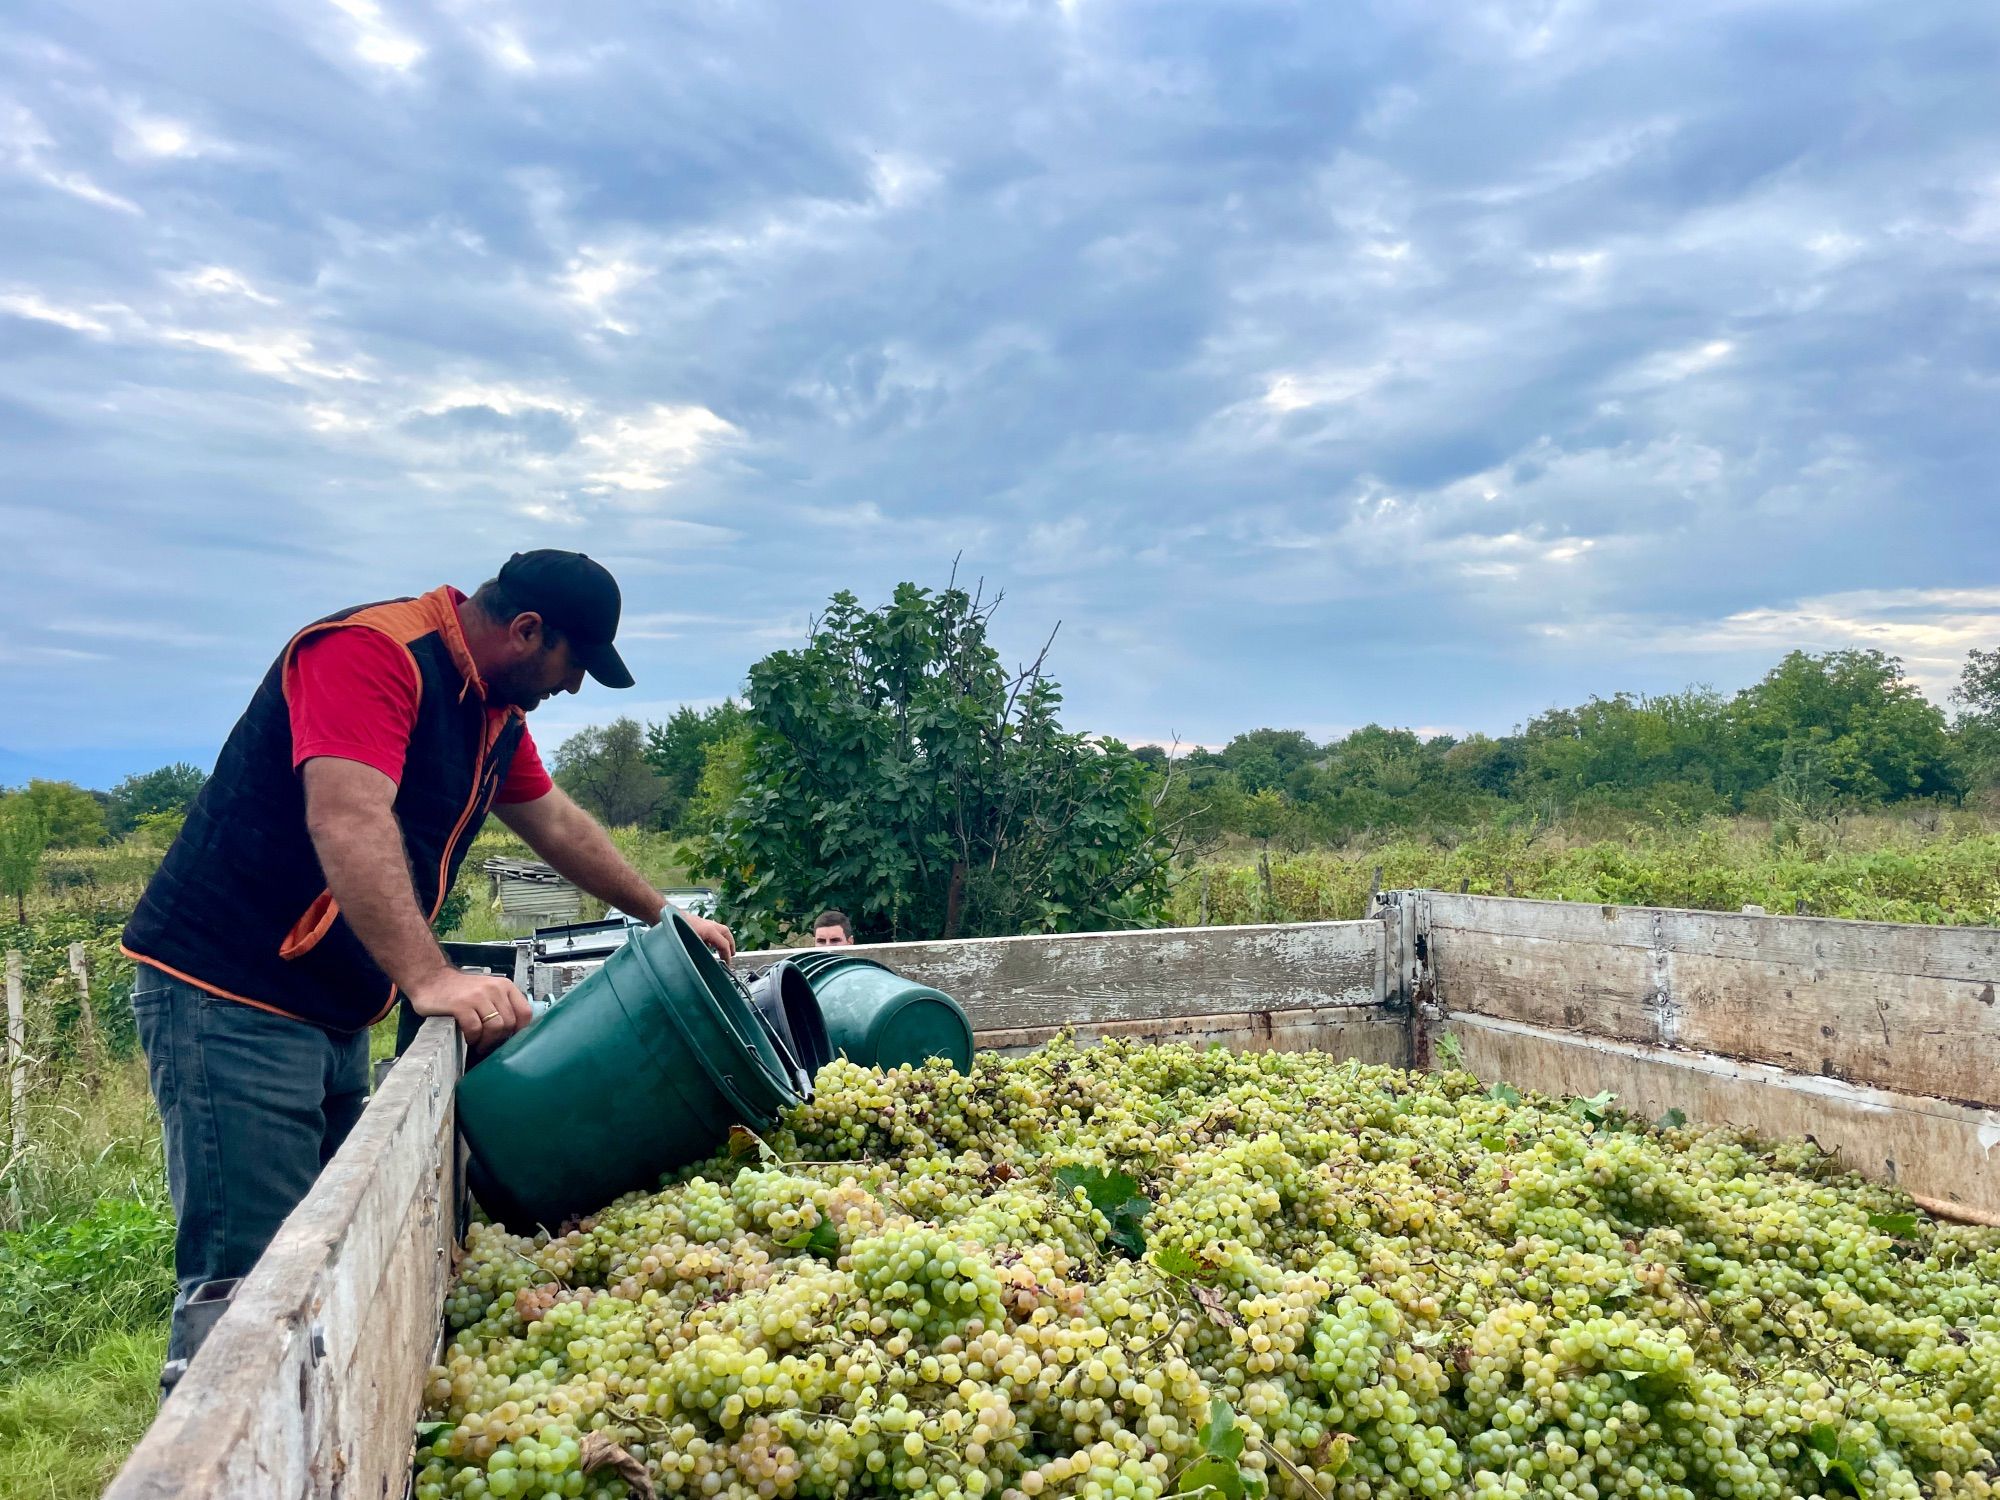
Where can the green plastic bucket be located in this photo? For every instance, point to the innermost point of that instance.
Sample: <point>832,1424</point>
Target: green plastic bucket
<point>640,1069</point>
<point>877,1018</point>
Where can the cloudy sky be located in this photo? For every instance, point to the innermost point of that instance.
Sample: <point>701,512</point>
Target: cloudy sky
<point>1420,362</point>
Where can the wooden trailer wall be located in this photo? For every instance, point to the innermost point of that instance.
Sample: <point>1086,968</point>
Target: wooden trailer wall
<point>1878,1040</point>
<point>1282,988</point>
<point>311,1382</point>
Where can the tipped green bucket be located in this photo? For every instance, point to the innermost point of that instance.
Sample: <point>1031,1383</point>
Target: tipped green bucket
<point>877,1018</point>
<point>638,1070</point>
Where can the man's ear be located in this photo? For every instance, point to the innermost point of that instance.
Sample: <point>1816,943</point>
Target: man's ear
<point>526,630</point>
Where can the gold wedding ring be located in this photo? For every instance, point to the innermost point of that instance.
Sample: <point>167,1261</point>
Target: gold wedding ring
<point>493,1015</point>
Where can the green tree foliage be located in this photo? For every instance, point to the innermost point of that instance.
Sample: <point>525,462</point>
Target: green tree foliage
<point>894,769</point>
<point>1819,734</point>
<point>605,769</point>
<point>1977,699</point>
<point>170,790</point>
<point>1671,754</point>
<point>1201,798</point>
<point>678,751</point>
<point>721,780</point>
<point>1270,758</point>
<point>1481,764</point>
<point>70,816</point>
<point>1852,718</point>
<point>23,840</point>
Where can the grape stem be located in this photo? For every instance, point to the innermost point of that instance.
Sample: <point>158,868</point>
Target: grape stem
<point>1294,1470</point>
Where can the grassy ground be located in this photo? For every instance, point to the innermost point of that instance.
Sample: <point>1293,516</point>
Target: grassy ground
<point>64,1430</point>
<point>85,1285</point>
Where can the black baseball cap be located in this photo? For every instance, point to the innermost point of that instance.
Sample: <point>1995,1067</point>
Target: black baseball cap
<point>578,597</point>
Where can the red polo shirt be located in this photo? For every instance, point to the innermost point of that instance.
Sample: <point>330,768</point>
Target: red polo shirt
<point>353,696</point>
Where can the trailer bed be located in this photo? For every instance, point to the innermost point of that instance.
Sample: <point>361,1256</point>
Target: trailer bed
<point>1879,1041</point>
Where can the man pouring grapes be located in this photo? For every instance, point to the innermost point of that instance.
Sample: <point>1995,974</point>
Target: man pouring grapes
<point>297,902</point>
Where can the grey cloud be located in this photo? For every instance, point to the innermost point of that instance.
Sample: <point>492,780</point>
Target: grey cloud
<point>1415,362</point>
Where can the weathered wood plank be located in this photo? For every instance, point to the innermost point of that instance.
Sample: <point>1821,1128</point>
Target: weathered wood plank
<point>1341,1031</point>
<point>1910,1009</point>
<point>1970,954</point>
<point>1551,921</point>
<point>1016,983</point>
<point>1604,989</point>
<point>1907,1032</point>
<point>311,1382</point>
<point>1928,1146</point>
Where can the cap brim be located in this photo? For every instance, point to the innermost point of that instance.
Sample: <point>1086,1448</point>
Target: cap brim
<point>605,665</point>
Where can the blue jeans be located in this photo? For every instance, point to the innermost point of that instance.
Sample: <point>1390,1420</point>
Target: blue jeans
<point>252,1105</point>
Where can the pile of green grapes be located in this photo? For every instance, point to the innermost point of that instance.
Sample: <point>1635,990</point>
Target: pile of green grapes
<point>1129,1272</point>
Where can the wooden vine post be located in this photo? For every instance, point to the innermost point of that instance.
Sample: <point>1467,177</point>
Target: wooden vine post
<point>86,1018</point>
<point>17,1055</point>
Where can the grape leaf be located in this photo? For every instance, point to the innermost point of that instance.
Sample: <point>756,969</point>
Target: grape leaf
<point>1211,1474</point>
<point>1175,1261</point>
<point>1332,1452</point>
<point>1219,1436</point>
<point>1504,1093</point>
<point>1593,1108</point>
<point>1673,1119</point>
<point>743,1141</point>
<point>1220,1467</point>
<point>822,1240</point>
<point>1117,1197</point>
<point>430,1432</point>
<point>1896,1226</point>
<point>601,1451</point>
<point>1837,1461</point>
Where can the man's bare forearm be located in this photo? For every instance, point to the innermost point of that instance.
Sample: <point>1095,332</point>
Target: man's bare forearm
<point>360,847</point>
<point>578,849</point>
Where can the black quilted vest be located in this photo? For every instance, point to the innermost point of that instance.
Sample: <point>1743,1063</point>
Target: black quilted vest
<point>240,907</point>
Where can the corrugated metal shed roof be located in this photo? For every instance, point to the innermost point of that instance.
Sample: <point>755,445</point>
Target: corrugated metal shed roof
<point>529,888</point>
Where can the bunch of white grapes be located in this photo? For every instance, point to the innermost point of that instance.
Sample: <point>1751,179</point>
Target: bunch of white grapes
<point>1129,1272</point>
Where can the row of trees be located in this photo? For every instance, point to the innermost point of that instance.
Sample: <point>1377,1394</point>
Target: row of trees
<point>1819,733</point>
<point>72,817</point>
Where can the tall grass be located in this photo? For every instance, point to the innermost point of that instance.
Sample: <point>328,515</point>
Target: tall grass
<point>87,1248</point>
<point>86,1233</point>
<point>1893,873</point>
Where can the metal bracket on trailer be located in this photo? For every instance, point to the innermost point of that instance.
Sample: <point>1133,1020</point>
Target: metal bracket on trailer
<point>1412,983</point>
<point>204,1309</point>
